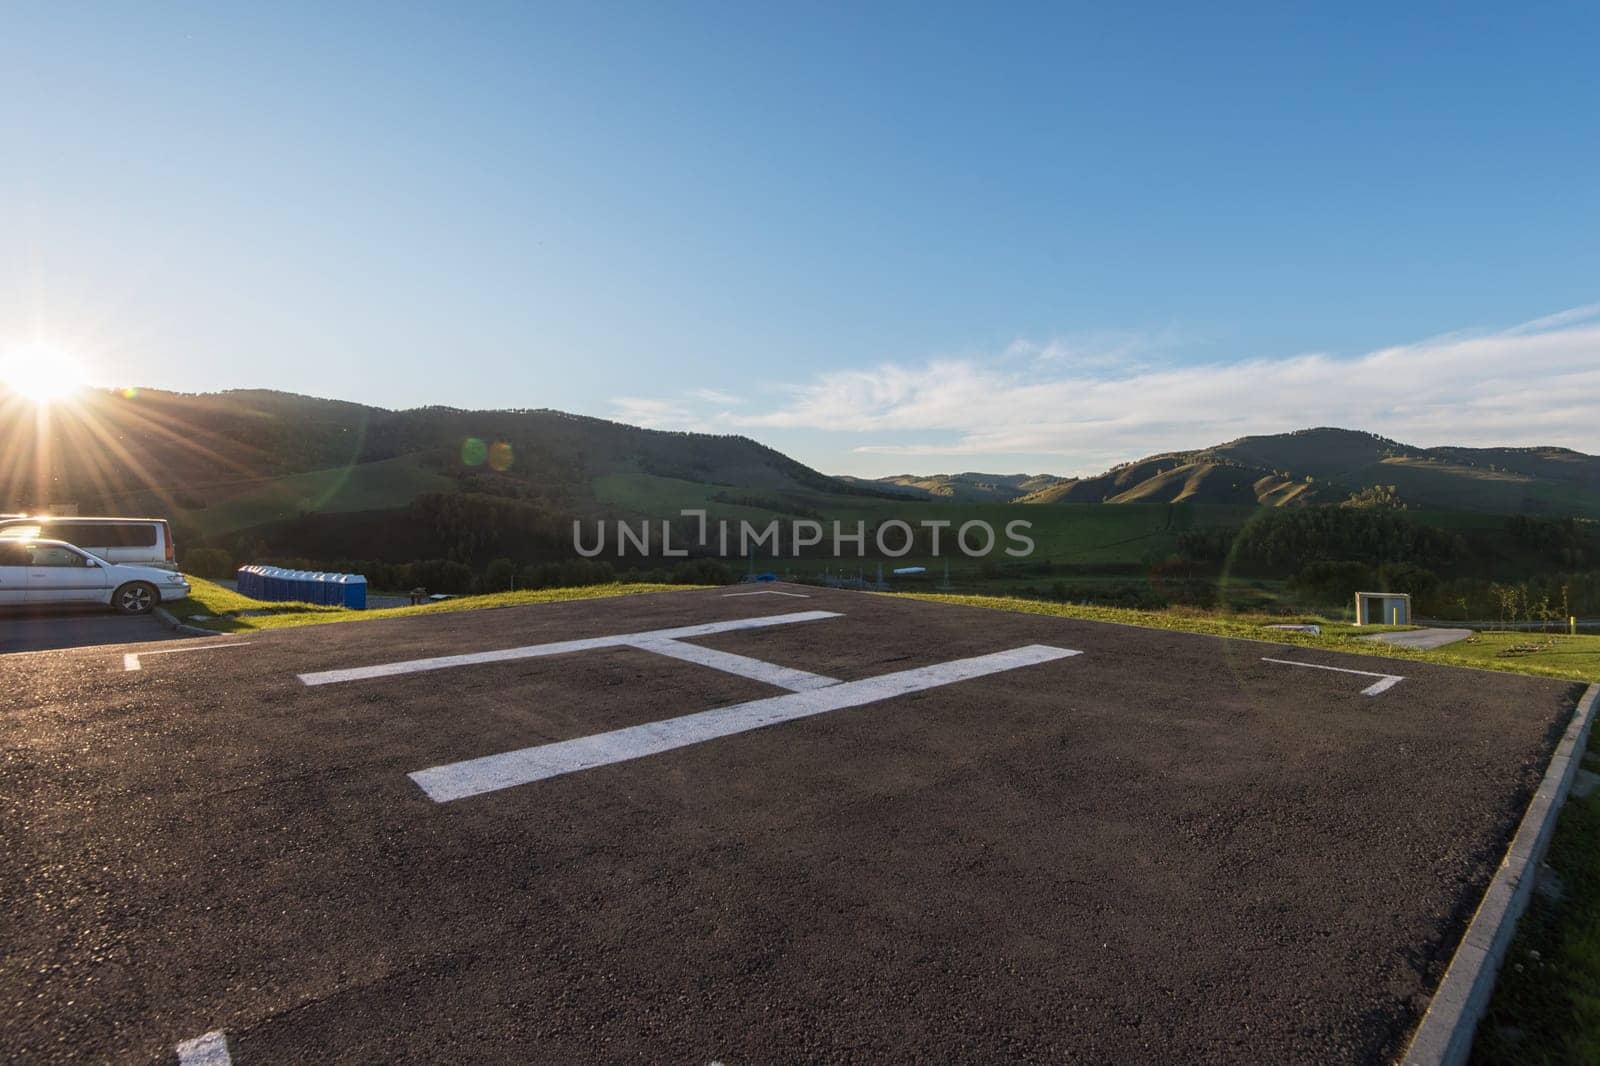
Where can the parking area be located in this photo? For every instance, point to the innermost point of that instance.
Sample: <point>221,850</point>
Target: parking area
<point>713,825</point>
<point>50,628</point>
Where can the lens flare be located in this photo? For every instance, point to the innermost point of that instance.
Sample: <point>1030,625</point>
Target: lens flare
<point>474,451</point>
<point>500,456</point>
<point>41,373</point>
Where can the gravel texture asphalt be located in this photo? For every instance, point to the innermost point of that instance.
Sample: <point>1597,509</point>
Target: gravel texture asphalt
<point>1163,849</point>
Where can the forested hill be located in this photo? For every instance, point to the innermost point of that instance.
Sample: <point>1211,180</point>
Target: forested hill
<point>1310,466</point>
<point>110,449</point>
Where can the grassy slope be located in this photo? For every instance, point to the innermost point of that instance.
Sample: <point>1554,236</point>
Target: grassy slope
<point>1571,658</point>
<point>1063,533</point>
<point>1546,1004</point>
<point>663,497</point>
<point>237,505</point>
<point>224,608</point>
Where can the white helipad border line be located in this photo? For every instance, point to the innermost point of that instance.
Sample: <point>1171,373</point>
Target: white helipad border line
<point>1384,684</point>
<point>742,665</point>
<point>208,1050</point>
<point>1444,1036</point>
<point>563,647</point>
<point>767,592</point>
<point>130,660</point>
<point>473,777</point>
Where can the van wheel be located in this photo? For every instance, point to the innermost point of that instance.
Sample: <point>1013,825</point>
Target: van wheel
<point>135,597</point>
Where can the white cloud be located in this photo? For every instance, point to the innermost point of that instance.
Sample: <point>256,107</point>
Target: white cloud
<point>651,414</point>
<point>713,396</point>
<point>1537,383</point>
<point>1102,347</point>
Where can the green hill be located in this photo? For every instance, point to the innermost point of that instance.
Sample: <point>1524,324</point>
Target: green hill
<point>1325,466</point>
<point>225,462</point>
<point>963,488</point>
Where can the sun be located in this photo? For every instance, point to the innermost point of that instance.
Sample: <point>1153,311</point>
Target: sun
<point>41,373</point>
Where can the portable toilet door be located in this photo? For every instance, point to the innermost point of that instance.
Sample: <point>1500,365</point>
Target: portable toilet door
<point>353,589</point>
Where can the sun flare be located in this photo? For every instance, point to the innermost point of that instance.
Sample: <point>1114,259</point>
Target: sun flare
<point>41,373</point>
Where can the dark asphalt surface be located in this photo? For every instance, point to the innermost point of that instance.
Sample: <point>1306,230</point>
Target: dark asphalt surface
<point>1161,850</point>
<point>47,628</point>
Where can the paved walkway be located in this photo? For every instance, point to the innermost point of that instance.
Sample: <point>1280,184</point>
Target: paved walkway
<point>1422,639</point>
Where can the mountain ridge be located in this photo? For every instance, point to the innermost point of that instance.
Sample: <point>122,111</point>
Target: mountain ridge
<point>1323,464</point>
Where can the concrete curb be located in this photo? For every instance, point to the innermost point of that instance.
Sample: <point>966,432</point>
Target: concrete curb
<point>1444,1037</point>
<point>168,618</point>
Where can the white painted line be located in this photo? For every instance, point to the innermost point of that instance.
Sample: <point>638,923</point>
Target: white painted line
<point>1386,682</point>
<point>130,661</point>
<point>743,665</point>
<point>208,1050</point>
<point>564,647</point>
<point>474,777</point>
<point>767,592</point>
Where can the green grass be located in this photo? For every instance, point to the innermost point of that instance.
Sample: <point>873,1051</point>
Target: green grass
<point>236,505</point>
<point>1546,1004</point>
<point>226,611</point>
<point>1568,657</point>
<point>660,498</point>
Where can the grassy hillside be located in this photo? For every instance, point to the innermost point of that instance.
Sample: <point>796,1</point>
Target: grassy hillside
<point>965,488</point>
<point>232,506</point>
<point>1326,466</point>
<point>227,461</point>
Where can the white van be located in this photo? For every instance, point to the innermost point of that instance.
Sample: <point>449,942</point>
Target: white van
<point>136,541</point>
<point>48,571</point>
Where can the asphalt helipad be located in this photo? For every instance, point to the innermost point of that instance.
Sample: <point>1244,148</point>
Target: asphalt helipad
<point>705,826</point>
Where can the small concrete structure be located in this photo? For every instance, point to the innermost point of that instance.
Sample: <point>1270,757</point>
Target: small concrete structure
<point>1383,609</point>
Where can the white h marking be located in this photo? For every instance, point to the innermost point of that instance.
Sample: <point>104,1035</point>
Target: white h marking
<point>1386,682</point>
<point>563,647</point>
<point>208,1050</point>
<point>130,661</point>
<point>473,777</point>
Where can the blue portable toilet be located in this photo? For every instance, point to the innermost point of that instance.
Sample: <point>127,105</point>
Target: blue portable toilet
<point>353,591</point>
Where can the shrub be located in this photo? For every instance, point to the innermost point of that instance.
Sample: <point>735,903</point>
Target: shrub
<point>1404,577</point>
<point>570,573</point>
<point>703,572</point>
<point>498,576</point>
<point>442,575</point>
<point>1327,581</point>
<point>213,563</point>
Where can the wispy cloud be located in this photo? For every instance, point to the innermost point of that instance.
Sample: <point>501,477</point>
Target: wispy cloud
<point>713,396</point>
<point>1102,348</point>
<point>651,414</point>
<point>1534,383</point>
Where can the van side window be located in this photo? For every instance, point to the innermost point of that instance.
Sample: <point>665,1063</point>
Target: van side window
<point>15,555</point>
<point>105,534</point>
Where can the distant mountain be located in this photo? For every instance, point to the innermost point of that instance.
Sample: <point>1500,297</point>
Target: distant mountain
<point>964,488</point>
<point>1322,465</point>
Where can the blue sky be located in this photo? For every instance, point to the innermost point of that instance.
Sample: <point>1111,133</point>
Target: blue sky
<point>909,237</point>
